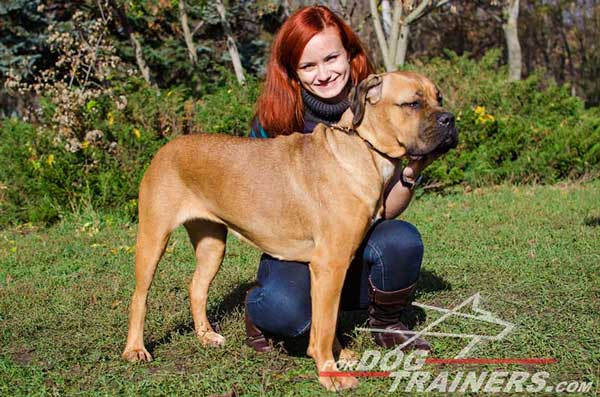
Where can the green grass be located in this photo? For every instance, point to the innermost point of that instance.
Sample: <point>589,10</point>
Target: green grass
<point>532,252</point>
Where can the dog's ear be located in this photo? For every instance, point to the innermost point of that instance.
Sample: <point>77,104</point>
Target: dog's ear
<point>368,89</point>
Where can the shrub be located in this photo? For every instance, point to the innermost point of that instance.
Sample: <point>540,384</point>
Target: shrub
<point>44,178</point>
<point>45,175</point>
<point>227,109</point>
<point>521,132</point>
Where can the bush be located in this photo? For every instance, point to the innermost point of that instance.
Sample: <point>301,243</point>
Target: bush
<point>45,175</point>
<point>44,178</point>
<point>521,132</point>
<point>228,109</point>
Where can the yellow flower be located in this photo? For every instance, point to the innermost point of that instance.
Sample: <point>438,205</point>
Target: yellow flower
<point>136,133</point>
<point>50,160</point>
<point>111,119</point>
<point>85,144</point>
<point>482,116</point>
<point>488,117</point>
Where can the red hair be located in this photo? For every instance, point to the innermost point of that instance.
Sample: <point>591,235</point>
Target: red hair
<point>279,108</point>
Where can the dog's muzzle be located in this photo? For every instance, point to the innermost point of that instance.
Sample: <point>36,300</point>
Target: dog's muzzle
<point>448,132</point>
<point>445,137</point>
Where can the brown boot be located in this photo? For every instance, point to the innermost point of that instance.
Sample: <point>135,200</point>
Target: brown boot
<point>254,336</point>
<point>384,313</point>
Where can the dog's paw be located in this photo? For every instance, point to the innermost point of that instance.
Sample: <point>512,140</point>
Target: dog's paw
<point>211,339</point>
<point>338,383</point>
<point>136,355</point>
<point>349,356</point>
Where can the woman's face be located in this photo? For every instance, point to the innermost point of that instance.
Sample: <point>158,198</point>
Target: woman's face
<point>324,67</point>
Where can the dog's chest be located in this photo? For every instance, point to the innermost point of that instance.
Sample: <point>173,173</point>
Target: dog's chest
<point>387,170</point>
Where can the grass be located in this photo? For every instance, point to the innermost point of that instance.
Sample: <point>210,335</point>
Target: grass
<point>532,252</point>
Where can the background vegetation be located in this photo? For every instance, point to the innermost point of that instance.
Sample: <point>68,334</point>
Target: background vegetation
<point>92,91</point>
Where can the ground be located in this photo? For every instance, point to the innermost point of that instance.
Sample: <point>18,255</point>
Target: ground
<point>533,253</point>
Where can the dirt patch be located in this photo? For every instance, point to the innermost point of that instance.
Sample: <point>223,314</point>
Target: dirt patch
<point>23,356</point>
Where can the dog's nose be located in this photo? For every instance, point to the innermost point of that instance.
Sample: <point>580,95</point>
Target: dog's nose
<point>445,119</point>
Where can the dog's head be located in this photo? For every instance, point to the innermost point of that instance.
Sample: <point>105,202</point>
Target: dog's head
<point>401,114</point>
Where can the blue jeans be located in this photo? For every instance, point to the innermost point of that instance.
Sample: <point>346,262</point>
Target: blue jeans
<point>390,255</point>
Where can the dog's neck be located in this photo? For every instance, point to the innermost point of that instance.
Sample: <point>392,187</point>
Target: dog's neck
<point>385,164</point>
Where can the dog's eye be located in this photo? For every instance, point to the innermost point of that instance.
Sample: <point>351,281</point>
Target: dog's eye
<point>412,105</point>
<point>440,100</point>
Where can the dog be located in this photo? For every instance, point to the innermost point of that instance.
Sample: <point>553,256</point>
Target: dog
<point>301,197</point>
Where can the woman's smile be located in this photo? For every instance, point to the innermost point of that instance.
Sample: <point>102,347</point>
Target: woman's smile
<point>324,67</point>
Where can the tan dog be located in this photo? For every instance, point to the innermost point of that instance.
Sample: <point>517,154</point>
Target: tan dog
<point>303,197</point>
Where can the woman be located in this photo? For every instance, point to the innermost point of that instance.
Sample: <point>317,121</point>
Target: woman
<point>315,60</point>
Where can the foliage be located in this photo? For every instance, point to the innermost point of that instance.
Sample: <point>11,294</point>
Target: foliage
<point>228,109</point>
<point>78,79</point>
<point>45,176</point>
<point>562,37</point>
<point>22,36</point>
<point>161,36</point>
<point>44,179</point>
<point>523,132</point>
<point>23,48</point>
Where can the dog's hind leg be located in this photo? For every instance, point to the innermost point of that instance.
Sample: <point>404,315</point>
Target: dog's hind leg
<point>208,239</point>
<point>150,247</point>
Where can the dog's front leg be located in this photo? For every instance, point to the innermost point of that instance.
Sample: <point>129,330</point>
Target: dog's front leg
<point>327,273</point>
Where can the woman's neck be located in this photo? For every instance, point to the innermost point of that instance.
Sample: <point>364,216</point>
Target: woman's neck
<point>325,110</point>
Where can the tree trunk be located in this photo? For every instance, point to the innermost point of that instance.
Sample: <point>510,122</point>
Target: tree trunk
<point>383,46</point>
<point>137,47</point>
<point>386,16</point>
<point>286,8</point>
<point>233,51</point>
<point>187,35</point>
<point>139,57</point>
<point>402,45</point>
<point>512,40</point>
<point>394,43</point>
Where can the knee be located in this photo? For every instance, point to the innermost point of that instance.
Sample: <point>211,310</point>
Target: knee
<point>396,238</point>
<point>395,247</point>
<point>280,309</point>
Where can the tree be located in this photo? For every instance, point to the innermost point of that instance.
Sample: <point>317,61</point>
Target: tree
<point>231,46</point>
<point>511,33</point>
<point>187,35</point>
<point>23,49</point>
<point>394,44</point>
<point>121,18</point>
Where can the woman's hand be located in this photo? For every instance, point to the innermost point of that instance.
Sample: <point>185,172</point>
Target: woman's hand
<point>414,168</point>
<point>397,196</point>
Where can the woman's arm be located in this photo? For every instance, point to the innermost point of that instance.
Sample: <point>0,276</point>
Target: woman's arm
<point>397,196</point>
<point>257,130</point>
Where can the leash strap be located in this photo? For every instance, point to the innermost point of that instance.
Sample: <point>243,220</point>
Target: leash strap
<point>351,131</point>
